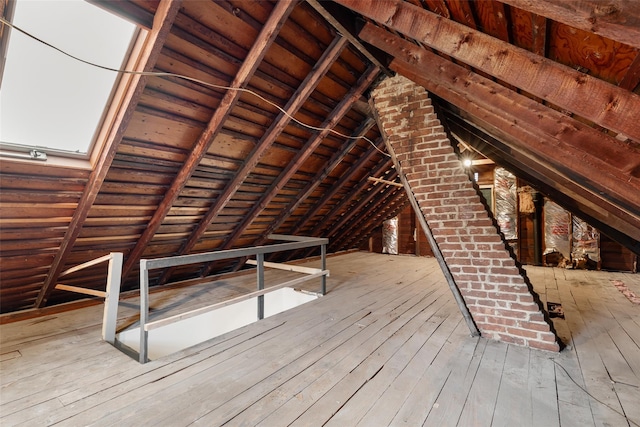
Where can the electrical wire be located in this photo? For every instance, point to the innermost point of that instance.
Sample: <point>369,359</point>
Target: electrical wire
<point>593,397</point>
<point>194,80</point>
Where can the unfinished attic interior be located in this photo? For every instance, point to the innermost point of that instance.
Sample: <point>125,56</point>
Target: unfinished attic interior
<point>452,185</point>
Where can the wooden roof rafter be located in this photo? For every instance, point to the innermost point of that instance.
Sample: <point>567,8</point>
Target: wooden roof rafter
<point>265,38</point>
<point>303,154</point>
<point>388,207</point>
<point>346,177</point>
<point>296,102</point>
<point>381,167</point>
<point>603,103</point>
<point>370,215</point>
<point>162,23</point>
<point>359,207</point>
<point>315,182</point>
<point>548,132</point>
<point>615,19</point>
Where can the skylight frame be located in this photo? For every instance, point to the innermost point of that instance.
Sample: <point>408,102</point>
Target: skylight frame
<point>108,109</point>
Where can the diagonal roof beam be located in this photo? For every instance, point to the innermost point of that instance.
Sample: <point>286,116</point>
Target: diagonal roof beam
<point>576,168</point>
<point>305,90</point>
<point>162,22</point>
<point>605,104</point>
<point>303,154</point>
<point>364,201</point>
<point>267,36</point>
<point>335,188</point>
<point>384,207</point>
<point>600,163</point>
<point>354,169</point>
<point>321,226</point>
<point>314,182</point>
<point>617,20</point>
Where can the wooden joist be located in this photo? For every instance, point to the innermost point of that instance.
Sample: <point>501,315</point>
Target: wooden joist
<point>615,19</point>
<point>162,23</point>
<point>562,143</point>
<point>310,146</point>
<point>260,46</point>
<point>603,103</point>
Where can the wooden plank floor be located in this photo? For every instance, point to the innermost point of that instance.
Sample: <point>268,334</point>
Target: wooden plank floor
<point>386,346</point>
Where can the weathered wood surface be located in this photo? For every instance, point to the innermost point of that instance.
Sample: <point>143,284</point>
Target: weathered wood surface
<point>385,346</point>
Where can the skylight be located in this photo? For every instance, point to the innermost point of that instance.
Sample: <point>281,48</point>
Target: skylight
<point>48,100</point>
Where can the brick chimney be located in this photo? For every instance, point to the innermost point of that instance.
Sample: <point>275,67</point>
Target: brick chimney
<point>495,290</point>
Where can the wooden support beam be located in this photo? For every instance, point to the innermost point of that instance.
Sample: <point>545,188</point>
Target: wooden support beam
<point>305,90</point>
<point>332,120</point>
<point>314,182</point>
<point>607,105</point>
<point>260,46</point>
<point>384,181</point>
<point>375,210</point>
<point>360,205</point>
<point>162,22</point>
<point>388,209</point>
<point>382,167</point>
<point>349,35</point>
<point>617,20</point>
<point>631,79</point>
<point>606,166</point>
<point>79,290</point>
<point>348,176</point>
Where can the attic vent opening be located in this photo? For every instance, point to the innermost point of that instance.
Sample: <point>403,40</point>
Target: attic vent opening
<point>47,99</point>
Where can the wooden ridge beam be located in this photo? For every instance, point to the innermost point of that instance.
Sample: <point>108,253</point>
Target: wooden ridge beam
<point>296,101</point>
<point>303,154</point>
<point>607,105</point>
<point>617,20</point>
<point>162,23</point>
<point>551,137</point>
<point>265,39</point>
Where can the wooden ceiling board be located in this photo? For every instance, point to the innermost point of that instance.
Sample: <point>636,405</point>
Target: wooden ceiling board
<point>592,54</point>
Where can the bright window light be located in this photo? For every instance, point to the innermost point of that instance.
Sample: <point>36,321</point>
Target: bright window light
<point>47,99</point>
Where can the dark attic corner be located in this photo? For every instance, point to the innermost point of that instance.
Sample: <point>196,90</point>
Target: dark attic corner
<point>303,212</point>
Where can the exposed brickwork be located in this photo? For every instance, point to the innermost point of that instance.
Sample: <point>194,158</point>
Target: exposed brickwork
<point>496,293</point>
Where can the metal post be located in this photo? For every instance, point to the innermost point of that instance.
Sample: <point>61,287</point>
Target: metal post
<point>144,309</point>
<point>323,256</point>
<point>110,316</point>
<point>260,260</point>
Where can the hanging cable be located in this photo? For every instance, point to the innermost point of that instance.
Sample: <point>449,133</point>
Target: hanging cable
<point>191,79</point>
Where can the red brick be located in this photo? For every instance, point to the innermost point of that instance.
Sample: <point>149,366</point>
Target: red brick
<point>544,345</point>
<point>522,333</point>
<point>534,326</point>
<point>512,340</point>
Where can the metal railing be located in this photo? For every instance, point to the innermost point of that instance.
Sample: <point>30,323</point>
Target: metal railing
<point>293,242</point>
<point>111,295</point>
